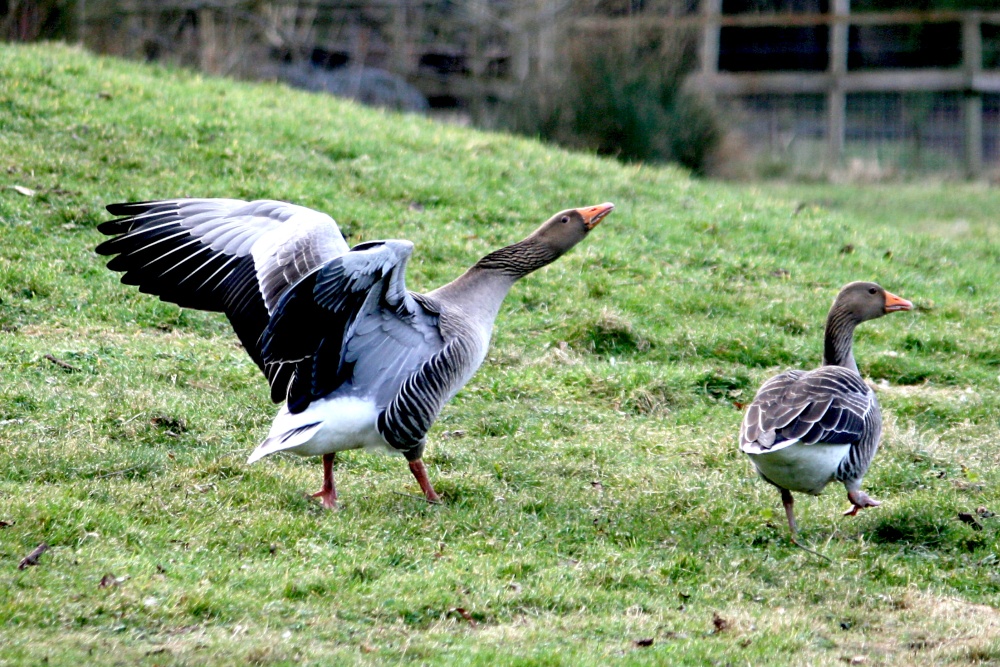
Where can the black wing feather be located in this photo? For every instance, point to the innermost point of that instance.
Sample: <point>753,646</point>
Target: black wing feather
<point>199,253</point>
<point>150,252</point>
<point>312,323</point>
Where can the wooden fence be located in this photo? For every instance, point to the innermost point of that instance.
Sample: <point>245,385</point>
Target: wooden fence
<point>970,79</point>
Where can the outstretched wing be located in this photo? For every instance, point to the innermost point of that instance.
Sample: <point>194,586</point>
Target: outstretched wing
<point>828,405</point>
<point>350,320</point>
<point>224,255</point>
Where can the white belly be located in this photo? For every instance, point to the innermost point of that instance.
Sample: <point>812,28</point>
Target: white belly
<point>803,468</point>
<point>340,424</point>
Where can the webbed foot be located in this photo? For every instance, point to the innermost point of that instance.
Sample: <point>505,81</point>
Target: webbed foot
<point>859,501</point>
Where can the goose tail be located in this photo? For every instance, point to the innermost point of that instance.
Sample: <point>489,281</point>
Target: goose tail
<point>286,440</point>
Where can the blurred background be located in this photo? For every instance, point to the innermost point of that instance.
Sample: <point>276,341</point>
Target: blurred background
<point>813,89</point>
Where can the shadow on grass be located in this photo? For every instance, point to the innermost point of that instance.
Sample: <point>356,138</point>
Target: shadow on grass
<point>912,528</point>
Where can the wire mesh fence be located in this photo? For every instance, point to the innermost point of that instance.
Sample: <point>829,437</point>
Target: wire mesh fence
<point>991,129</point>
<point>886,133</point>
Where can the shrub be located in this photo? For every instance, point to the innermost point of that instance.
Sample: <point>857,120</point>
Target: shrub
<point>622,95</point>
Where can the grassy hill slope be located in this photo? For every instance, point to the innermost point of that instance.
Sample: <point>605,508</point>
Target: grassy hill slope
<point>594,495</point>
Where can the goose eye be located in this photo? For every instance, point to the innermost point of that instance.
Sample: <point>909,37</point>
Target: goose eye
<point>565,219</point>
<point>872,290</point>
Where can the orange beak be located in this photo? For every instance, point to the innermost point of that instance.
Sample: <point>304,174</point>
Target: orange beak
<point>594,214</point>
<point>894,303</point>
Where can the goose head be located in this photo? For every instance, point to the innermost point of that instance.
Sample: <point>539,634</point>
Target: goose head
<point>862,301</point>
<point>547,243</point>
<point>567,228</point>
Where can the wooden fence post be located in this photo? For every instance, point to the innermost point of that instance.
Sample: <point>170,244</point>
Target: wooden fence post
<point>836,99</point>
<point>972,64</point>
<point>208,41</point>
<point>710,11</point>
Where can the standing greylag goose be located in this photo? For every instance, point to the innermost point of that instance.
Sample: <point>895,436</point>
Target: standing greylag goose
<point>360,361</point>
<point>807,429</point>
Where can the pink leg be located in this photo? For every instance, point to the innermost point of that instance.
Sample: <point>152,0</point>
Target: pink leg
<point>859,501</point>
<point>788,502</point>
<point>420,472</point>
<point>328,494</point>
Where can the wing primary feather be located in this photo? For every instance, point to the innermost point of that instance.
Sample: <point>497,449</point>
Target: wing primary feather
<point>166,248</point>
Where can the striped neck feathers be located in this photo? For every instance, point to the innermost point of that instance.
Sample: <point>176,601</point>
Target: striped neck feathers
<point>519,259</point>
<point>838,347</point>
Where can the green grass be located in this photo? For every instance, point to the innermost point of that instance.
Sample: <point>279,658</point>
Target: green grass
<point>594,495</point>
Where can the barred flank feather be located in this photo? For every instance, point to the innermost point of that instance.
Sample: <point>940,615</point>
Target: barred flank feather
<point>405,421</point>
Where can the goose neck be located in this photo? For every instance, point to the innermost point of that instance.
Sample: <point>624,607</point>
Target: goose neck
<point>480,290</point>
<point>519,259</point>
<point>839,340</point>
<point>477,293</point>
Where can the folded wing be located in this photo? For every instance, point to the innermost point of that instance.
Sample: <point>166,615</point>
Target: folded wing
<point>828,405</point>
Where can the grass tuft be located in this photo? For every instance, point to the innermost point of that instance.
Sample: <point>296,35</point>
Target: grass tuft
<point>609,334</point>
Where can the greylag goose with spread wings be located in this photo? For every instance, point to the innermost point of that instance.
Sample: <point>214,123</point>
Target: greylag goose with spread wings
<point>359,360</point>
